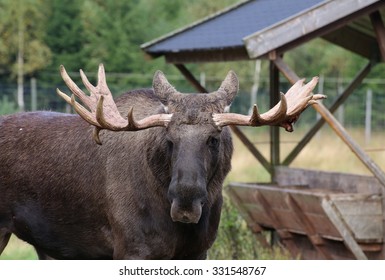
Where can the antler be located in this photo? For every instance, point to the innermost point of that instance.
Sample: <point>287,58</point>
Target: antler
<point>104,113</point>
<point>284,114</point>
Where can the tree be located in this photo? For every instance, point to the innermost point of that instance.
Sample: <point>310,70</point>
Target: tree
<point>22,50</point>
<point>64,34</point>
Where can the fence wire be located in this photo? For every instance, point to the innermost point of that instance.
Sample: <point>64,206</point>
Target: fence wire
<point>353,113</point>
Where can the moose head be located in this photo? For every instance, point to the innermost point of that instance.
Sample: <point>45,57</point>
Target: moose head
<point>194,128</point>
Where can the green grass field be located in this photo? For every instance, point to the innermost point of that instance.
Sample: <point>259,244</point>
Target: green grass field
<point>18,250</point>
<point>325,152</point>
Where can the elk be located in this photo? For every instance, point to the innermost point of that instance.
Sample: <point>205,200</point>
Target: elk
<point>152,187</point>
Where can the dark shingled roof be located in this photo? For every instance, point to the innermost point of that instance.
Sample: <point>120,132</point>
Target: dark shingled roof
<point>254,28</point>
<point>227,28</point>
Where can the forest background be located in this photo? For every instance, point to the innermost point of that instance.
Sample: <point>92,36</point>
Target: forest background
<point>36,36</point>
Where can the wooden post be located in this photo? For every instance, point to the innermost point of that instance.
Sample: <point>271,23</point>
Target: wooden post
<point>274,99</point>
<point>202,79</point>
<point>379,29</point>
<point>321,86</point>
<point>285,236</point>
<point>332,212</point>
<point>341,110</point>
<point>254,88</point>
<point>20,57</point>
<point>368,116</point>
<point>315,239</point>
<point>190,77</point>
<point>33,94</point>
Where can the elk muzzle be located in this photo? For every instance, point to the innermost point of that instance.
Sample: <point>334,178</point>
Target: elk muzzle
<point>186,213</point>
<point>187,198</point>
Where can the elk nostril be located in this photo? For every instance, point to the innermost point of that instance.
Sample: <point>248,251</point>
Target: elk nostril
<point>185,219</point>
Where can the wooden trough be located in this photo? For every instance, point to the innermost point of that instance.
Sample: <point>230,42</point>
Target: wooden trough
<point>316,214</point>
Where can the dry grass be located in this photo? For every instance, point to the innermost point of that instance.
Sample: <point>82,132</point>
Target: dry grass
<point>326,151</point>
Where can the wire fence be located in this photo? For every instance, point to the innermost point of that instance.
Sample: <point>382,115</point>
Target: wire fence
<point>363,109</point>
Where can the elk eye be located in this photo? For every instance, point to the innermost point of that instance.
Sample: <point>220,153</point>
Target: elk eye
<point>213,142</point>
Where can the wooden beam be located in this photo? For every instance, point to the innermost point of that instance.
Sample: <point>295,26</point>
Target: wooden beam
<point>252,149</point>
<point>315,22</point>
<point>190,78</point>
<point>293,77</point>
<point>315,239</point>
<point>274,130</point>
<point>379,29</point>
<point>354,40</point>
<point>247,216</point>
<point>204,55</point>
<point>249,145</point>
<point>332,212</point>
<point>285,236</point>
<point>349,141</point>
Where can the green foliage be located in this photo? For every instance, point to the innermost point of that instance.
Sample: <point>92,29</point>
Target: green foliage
<point>235,241</point>
<point>7,106</point>
<point>64,34</point>
<point>23,20</point>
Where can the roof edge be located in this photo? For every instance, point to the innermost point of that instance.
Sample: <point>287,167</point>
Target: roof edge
<point>300,24</point>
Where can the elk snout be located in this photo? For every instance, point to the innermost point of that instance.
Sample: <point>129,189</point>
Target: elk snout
<point>190,214</point>
<point>187,201</point>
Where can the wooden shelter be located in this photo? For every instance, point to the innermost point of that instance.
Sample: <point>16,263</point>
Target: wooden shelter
<point>316,215</point>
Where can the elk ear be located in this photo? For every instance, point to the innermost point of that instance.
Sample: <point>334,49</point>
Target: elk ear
<point>229,88</point>
<point>162,88</point>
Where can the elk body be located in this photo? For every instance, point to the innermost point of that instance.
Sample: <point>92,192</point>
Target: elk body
<point>152,190</point>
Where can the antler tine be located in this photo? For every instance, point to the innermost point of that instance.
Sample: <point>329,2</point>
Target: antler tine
<point>73,87</point>
<point>132,124</point>
<point>104,112</point>
<point>120,123</point>
<point>295,88</point>
<point>275,115</point>
<point>83,112</point>
<point>64,96</point>
<point>92,89</point>
<point>303,98</point>
<point>255,116</point>
<point>272,117</point>
<point>102,83</point>
<point>284,114</point>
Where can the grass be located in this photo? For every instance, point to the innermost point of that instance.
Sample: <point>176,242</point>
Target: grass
<point>325,151</point>
<point>18,250</point>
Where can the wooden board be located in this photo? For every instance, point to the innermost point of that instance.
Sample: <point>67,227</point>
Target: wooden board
<point>362,213</point>
<point>340,182</point>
